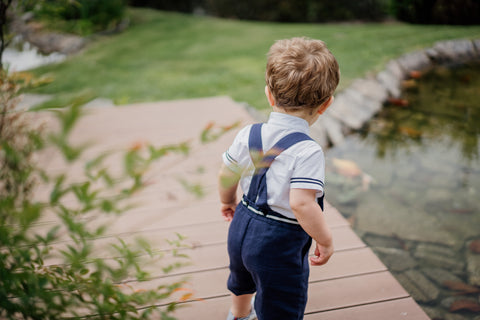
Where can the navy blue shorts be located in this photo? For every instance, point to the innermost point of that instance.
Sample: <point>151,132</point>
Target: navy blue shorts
<point>271,258</point>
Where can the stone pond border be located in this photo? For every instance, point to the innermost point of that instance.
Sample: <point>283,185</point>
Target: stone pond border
<point>365,97</point>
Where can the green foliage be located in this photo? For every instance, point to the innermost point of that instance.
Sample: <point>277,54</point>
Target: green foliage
<point>282,11</point>
<point>347,10</point>
<point>210,133</point>
<point>178,5</point>
<point>41,279</point>
<point>79,16</point>
<point>299,10</point>
<point>460,12</point>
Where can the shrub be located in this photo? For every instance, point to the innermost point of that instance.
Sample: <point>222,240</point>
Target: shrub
<point>344,10</point>
<point>32,286</point>
<point>299,10</point>
<point>92,15</point>
<point>283,11</point>
<point>462,12</point>
<point>178,5</point>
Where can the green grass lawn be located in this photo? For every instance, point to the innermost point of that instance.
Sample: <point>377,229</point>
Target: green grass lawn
<point>164,56</point>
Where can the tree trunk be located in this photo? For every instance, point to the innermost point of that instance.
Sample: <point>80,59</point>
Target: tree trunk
<point>4,4</point>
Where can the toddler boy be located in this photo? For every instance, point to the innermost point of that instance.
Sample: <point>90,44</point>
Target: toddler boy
<point>281,172</point>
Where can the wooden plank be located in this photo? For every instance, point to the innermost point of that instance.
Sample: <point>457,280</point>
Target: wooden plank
<point>326,296</point>
<point>344,238</point>
<point>159,123</point>
<point>216,308</point>
<point>198,235</point>
<point>346,264</point>
<point>352,291</point>
<point>334,217</point>
<point>323,295</point>
<point>399,309</point>
<point>342,264</point>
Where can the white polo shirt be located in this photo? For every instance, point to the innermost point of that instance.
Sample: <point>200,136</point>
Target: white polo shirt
<point>301,166</point>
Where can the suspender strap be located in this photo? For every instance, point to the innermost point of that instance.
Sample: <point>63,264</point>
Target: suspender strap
<point>257,194</point>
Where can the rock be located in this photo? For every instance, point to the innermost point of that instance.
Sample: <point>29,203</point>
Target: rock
<point>319,133</point>
<point>396,259</point>
<point>385,215</point>
<point>434,313</point>
<point>333,128</point>
<point>476,44</point>
<point>473,267</point>
<point>456,211</point>
<point>390,82</point>
<point>27,16</point>
<point>440,276</point>
<point>414,61</point>
<point>457,51</point>
<point>439,255</point>
<point>433,54</point>
<point>350,109</point>
<point>369,103</point>
<point>378,242</point>
<point>474,246</point>
<point>451,316</point>
<point>459,303</point>
<point>57,42</point>
<point>421,289</point>
<point>371,89</point>
<point>396,70</point>
<point>434,195</point>
<point>47,42</point>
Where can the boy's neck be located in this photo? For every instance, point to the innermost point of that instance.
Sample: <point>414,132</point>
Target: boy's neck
<point>309,115</point>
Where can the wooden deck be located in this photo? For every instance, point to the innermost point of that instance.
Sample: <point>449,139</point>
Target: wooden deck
<point>353,285</point>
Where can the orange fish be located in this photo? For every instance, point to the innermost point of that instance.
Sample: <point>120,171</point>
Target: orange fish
<point>346,168</point>
<point>411,132</point>
<point>398,102</point>
<point>415,74</point>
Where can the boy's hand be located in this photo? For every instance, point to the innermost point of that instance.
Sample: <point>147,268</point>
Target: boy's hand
<point>228,210</point>
<point>322,254</point>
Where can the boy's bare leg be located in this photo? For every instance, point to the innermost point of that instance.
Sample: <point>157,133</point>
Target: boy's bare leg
<point>241,305</point>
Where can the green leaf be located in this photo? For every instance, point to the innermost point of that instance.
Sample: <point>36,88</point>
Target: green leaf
<point>52,234</point>
<point>30,213</point>
<point>107,206</point>
<point>58,190</point>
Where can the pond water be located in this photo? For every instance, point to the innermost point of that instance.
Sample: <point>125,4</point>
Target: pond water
<point>21,56</point>
<point>409,183</point>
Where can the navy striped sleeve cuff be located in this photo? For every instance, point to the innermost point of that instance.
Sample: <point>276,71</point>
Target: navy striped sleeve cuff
<point>316,182</point>
<point>229,158</point>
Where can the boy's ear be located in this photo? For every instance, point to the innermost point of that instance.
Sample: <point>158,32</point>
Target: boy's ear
<point>324,106</point>
<point>269,95</point>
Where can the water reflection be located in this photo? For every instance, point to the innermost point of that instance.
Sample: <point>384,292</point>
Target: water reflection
<point>442,105</point>
<point>410,185</point>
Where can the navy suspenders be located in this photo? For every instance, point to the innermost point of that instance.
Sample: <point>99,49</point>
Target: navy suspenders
<point>256,199</point>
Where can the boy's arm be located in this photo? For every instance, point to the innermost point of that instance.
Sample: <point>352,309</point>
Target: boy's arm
<point>227,188</point>
<point>311,218</point>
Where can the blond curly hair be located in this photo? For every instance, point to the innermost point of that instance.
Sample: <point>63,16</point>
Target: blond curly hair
<point>301,73</point>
